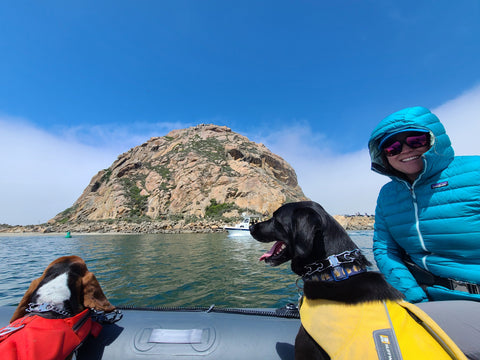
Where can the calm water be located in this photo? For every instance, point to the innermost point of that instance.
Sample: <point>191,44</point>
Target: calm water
<point>160,269</point>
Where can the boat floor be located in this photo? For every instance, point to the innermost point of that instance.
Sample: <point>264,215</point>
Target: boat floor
<point>237,333</point>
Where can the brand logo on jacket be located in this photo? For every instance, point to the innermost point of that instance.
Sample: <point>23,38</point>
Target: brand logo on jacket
<point>439,185</point>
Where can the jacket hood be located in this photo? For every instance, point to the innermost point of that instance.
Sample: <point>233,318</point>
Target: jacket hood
<point>436,159</point>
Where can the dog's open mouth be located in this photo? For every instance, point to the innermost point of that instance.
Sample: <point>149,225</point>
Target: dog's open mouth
<point>276,255</point>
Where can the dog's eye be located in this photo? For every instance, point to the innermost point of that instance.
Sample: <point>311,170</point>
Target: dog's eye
<point>279,226</point>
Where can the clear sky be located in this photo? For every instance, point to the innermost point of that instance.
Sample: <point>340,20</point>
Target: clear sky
<point>84,81</point>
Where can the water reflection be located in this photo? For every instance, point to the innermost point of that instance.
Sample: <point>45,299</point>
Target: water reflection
<point>160,269</point>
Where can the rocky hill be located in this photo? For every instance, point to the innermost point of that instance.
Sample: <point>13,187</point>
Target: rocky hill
<point>195,177</point>
<point>191,180</point>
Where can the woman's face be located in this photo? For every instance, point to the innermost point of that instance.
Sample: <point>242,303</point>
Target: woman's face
<point>409,160</point>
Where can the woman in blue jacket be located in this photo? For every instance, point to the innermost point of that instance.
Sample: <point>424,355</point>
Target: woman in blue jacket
<point>427,220</point>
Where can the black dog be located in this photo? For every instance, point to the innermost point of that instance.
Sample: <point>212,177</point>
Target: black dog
<point>322,253</point>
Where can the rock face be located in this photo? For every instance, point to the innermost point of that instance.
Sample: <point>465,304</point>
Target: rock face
<point>187,175</point>
<point>356,222</point>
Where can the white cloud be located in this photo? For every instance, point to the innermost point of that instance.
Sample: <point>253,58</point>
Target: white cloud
<point>461,118</point>
<point>344,183</point>
<point>119,138</point>
<point>341,183</point>
<point>43,174</point>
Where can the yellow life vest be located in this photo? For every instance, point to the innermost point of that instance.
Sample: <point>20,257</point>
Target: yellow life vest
<point>364,331</point>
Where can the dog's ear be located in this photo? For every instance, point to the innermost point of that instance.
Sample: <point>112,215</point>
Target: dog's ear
<point>93,296</point>
<point>305,227</point>
<point>23,304</point>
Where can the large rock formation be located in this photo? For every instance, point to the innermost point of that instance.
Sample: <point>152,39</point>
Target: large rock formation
<point>188,175</point>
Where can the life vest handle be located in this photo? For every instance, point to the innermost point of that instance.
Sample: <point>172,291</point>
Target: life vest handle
<point>434,330</point>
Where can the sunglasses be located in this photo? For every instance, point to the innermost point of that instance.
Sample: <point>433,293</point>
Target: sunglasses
<point>414,142</point>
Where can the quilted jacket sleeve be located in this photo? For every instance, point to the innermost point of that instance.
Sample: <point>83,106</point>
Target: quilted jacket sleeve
<point>388,255</point>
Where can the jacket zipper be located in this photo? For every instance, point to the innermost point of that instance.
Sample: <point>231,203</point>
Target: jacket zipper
<point>417,227</point>
<point>415,209</point>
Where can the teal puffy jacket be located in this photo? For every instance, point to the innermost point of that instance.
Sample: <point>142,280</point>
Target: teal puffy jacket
<point>435,220</point>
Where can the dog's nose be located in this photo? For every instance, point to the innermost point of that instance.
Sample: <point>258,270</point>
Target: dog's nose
<point>251,228</point>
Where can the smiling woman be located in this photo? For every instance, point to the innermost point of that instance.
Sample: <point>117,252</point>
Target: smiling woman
<point>403,151</point>
<point>426,220</point>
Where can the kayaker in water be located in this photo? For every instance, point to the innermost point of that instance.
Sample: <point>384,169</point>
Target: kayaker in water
<point>427,220</point>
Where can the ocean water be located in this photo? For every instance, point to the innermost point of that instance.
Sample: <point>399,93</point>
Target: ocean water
<point>160,269</point>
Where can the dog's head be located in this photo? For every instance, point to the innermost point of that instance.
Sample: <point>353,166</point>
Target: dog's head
<point>66,282</point>
<point>303,233</point>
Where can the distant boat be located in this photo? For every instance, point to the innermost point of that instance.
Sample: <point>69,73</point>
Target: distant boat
<point>242,228</point>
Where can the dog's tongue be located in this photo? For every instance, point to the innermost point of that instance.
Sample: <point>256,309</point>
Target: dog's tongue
<point>271,251</point>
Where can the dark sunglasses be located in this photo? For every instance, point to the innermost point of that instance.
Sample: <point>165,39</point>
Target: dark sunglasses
<point>414,142</point>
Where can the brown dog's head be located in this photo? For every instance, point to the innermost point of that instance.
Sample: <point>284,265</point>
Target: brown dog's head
<point>303,233</point>
<point>70,276</point>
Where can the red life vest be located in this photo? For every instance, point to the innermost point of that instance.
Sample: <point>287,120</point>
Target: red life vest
<point>34,337</point>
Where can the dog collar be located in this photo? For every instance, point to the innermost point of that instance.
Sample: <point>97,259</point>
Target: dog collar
<point>46,307</point>
<point>335,268</point>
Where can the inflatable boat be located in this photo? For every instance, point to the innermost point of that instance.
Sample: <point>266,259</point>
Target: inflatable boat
<point>238,333</point>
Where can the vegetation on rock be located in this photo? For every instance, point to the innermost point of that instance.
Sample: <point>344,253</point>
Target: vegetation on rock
<point>205,172</point>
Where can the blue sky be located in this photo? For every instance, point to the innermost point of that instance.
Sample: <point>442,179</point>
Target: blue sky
<point>85,81</point>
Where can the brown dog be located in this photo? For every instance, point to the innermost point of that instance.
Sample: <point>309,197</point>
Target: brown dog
<point>67,284</point>
<point>54,316</point>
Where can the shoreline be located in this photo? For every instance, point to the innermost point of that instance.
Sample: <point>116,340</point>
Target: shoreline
<point>348,222</point>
